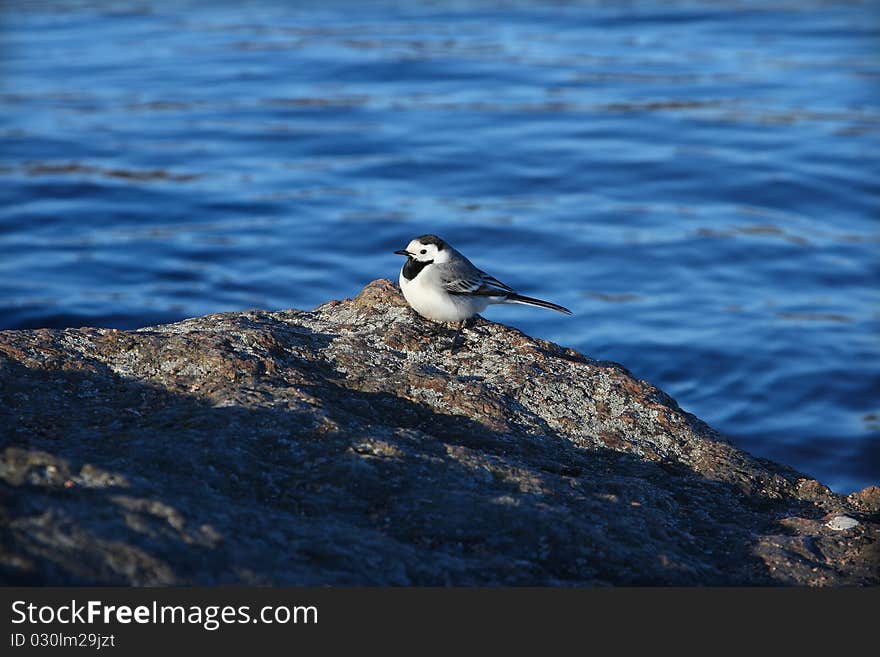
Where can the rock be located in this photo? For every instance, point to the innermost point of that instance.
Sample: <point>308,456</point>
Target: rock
<point>350,446</point>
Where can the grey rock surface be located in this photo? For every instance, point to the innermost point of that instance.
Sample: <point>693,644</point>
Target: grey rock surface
<point>350,445</point>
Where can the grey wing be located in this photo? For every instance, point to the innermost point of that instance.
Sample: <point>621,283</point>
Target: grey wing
<point>492,282</point>
<point>472,281</point>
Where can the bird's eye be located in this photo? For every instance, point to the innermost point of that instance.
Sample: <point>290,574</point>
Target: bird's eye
<point>423,251</point>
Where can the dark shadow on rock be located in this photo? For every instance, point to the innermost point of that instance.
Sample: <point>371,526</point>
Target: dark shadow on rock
<point>114,481</point>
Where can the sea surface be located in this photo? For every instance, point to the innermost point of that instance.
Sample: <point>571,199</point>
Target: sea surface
<point>697,181</point>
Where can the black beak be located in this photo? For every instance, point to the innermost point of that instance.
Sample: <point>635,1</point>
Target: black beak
<point>402,252</point>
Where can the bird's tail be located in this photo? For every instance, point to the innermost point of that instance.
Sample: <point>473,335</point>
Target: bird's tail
<point>530,301</point>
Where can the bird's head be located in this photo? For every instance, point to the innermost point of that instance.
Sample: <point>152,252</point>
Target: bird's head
<point>427,249</point>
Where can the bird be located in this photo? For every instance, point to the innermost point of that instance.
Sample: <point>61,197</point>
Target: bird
<point>442,285</point>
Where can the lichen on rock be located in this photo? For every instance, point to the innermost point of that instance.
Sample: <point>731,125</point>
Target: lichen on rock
<point>350,445</point>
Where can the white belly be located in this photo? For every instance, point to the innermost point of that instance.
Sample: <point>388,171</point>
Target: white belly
<point>429,302</point>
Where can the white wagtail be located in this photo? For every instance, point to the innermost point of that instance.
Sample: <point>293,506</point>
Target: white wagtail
<point>442,285</point>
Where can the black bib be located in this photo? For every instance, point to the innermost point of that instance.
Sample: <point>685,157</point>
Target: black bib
<point>412,267</point>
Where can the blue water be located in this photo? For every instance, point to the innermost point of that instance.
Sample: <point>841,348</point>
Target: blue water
<point>698,182</point>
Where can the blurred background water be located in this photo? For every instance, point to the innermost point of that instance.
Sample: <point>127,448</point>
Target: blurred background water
<point>697,181</point>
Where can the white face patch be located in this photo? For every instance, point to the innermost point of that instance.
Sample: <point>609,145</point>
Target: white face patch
<point>422,252</point>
